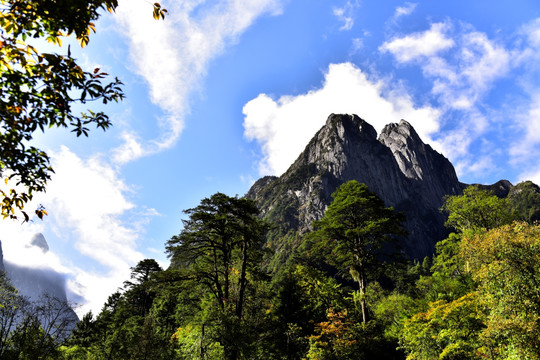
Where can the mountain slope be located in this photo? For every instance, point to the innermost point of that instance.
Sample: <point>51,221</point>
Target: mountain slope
<point>45,288</point>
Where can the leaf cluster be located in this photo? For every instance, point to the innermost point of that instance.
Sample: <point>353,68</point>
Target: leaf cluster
<point>476,210</point>
<point>38,90</point>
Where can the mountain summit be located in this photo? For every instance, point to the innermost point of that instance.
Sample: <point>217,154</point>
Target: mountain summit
<point>404,171</point>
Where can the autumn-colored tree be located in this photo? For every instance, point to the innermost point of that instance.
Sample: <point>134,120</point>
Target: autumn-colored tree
<point>506,264</point>
<point>447,330</point>
<point>342,337</point>
<point>336,338</point>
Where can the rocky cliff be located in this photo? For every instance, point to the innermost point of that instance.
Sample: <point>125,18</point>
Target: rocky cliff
<point>406,173</point>
<point>41,286</point>
<point>2,268</point>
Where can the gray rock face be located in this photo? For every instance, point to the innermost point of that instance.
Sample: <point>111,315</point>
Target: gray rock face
<point>33,283</point>
<point>406,173</point>
<point>432,173</point>
<point>501,188</point>
<point>2,268</point>
<point>37,284</point>
<point>39,241</point>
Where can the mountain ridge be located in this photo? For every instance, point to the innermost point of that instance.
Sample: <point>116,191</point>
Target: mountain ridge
<point>397,165</point>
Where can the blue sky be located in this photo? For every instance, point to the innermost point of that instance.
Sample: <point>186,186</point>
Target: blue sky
<point>223,92</point>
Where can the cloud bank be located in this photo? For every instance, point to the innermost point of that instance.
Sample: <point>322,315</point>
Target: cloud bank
<point>462,67</point>
<point>90,210</point>
<point>172,56</point>
<point>88,202</point>
<point>284,126</point>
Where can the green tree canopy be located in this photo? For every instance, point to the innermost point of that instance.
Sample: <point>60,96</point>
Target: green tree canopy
<point>448,331</point>
<point>354,228</point>
<point>477,209</point>
<point>140,292</point>
<point>221,248</point>
<point>506,264</point>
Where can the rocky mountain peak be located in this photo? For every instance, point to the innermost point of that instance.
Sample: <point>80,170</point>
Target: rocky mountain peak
<point>398,166</point>
<point>432,173</point>
<point>406,147</point>
<point>352,125</point>
<point>38,240</point>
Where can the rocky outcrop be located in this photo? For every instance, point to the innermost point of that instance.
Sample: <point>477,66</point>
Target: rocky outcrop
<point>501,188</point>
<point>433,175</point>
<point>525,200</point>
<point>406,173</point>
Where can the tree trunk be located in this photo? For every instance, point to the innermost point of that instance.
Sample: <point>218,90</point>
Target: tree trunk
<point>242,282</point>
<point>362,283</point>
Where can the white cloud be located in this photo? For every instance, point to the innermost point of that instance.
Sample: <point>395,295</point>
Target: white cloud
<point>524,150</point>
<point>357,45</point>
<point>346,14</point>
<point>455,142</point>
<point>529,122</point>
<point>532,32</point>
<point>16,247</point>
<point>89,198</point>
<point>88,209</point>
<point>89,204</point>
<point>531,174</point>
<point>481,62</point>
<point>283,127</point>
<point>461,78</point>
<point>172,55</point>
<point>419,45</point>
<point>482,165</point>
<point>405,10</point>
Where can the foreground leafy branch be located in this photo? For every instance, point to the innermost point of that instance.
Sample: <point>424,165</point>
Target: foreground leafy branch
<point>38,90</point>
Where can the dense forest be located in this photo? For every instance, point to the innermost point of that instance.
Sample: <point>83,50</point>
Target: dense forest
<point>344,293</point>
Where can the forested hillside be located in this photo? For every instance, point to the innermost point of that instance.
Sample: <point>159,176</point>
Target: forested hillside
<point>318,265</point>
<point>345,293</point>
